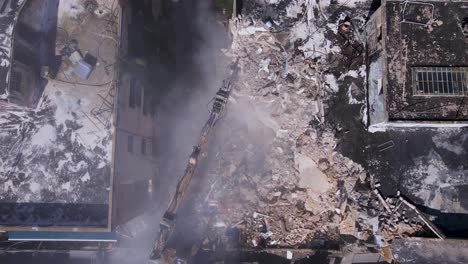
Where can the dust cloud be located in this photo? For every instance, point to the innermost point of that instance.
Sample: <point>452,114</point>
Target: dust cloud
<point>189,69</point>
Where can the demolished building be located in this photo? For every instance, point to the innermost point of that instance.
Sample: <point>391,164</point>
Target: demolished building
<point>292,170</point>
<point>279,179</point>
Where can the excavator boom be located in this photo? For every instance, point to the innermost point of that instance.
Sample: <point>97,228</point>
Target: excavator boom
<point>168,222</point>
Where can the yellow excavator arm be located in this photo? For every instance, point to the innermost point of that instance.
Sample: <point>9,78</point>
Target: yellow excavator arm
<point>167,224</point>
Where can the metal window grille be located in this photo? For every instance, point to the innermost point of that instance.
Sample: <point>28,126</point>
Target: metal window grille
<point>440,81</point>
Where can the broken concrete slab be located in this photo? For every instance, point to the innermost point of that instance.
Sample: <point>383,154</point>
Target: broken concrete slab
<point>310,176</point>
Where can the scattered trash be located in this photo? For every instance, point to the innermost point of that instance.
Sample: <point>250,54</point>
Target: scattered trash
<point>268,24</point>
<point>266,235</point>
<point>75,57</point>
<point>212,207</point>
<point>83,69</point>
<point>381,199</point>
<point>254,242</point>
<point>346,25</point>
<point>219,224</point>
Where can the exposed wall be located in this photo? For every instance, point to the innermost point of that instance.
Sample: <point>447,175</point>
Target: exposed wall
<point>135,157</point>
<point>375,69</point>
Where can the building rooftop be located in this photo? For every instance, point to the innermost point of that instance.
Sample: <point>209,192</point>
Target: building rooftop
<point>414,250</point>
<point>9,11</point>
<point>423,44</point>
<point>55,161</point>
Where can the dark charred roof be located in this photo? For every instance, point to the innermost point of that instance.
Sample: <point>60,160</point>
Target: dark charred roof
<point>419,35</point>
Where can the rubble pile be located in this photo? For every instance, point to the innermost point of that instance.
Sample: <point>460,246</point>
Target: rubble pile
<point>304,188</point>
<point>399,225</point>
<point>394,217</point>
<point>300,196</point>
<point>296,190</point>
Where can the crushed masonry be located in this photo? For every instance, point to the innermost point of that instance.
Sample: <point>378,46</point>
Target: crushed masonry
<point>304,193</point>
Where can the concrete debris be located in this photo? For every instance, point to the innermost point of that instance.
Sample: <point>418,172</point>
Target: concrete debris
<point>296,189</point>
<point>398,218</point>
<point>311,177</point>
<point>423,218</point>
<point>348,226</point>
<point>381,199</point>
<point>302,173</point>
